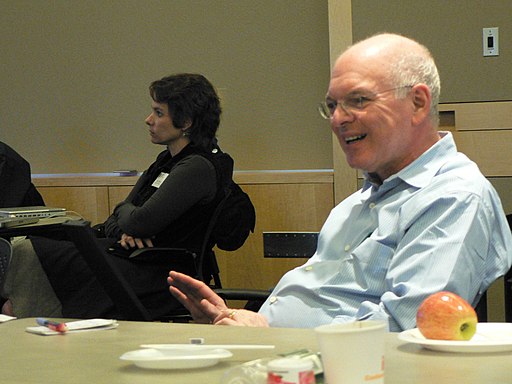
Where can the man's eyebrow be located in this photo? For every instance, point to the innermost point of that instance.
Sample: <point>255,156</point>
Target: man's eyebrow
<point>357,91</point>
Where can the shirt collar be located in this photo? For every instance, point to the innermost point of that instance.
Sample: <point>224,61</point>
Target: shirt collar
<point>424,168</point>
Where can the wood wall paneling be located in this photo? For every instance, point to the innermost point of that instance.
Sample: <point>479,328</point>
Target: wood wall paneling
<point>483,131</point>
<point>284,201</point>
<point>89,202</point>
<point>340,37</point>
<point>491,150</point>
<point>480,116</point>
<point>279,207</point>
<point>116,194</point>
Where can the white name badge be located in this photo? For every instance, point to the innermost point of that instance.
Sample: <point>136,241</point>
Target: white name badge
<point>159,180</point>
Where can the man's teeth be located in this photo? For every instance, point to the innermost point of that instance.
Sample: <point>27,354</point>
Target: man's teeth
<point>351,139</point>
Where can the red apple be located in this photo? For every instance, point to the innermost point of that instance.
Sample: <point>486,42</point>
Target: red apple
<point>446,316</point>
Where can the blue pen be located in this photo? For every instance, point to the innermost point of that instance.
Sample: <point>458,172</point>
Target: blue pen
<point>53,325</point>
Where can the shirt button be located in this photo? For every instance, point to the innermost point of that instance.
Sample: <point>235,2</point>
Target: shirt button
<point>308,268</point>
<point>273,299</point>
<point>347,248</point>
<point>372,205</point>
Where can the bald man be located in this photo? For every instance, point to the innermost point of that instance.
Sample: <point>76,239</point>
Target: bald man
<point>425,220</point>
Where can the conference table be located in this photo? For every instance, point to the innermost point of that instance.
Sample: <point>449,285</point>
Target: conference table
<point>94,357</point>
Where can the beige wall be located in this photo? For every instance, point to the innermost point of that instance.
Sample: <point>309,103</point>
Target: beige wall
<point>75,73</point>
<point>453,32</point>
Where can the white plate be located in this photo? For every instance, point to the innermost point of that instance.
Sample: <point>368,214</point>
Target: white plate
<point>194,347</point>
<point>489,337</point>
<point>179,358</point>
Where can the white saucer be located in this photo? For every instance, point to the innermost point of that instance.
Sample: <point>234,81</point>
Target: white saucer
<point>195,347</point>
<point>489,337</point>
<point>179,358</point>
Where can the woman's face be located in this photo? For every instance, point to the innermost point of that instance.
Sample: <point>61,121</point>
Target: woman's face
<point>161,128</point>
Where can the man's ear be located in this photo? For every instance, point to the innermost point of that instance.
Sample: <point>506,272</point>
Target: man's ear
<point>421,99</point>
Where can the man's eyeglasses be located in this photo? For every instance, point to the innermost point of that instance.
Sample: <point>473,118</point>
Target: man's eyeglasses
<point>353,102</point>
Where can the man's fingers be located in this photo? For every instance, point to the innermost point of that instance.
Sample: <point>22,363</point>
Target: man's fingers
<point>195,311</point>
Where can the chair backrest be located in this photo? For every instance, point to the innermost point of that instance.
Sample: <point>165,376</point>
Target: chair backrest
<point>508,296</point>
<point>206,261</point>
<point>481,309</point>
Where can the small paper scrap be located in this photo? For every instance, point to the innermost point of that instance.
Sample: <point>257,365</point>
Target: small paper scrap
<point>4,318</point>
<point>77,326</point>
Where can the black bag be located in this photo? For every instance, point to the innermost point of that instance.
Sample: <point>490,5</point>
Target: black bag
<point>235,216</point>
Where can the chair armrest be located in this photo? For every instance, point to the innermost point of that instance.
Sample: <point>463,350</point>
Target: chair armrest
<point>254,297</point>
<point>243,294</point>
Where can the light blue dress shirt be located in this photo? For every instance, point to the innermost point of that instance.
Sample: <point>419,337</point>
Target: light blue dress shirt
<point>438,224</point>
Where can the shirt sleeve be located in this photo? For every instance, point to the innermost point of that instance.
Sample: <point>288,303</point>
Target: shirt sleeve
<point>111,226</point>
<point>190,182</point>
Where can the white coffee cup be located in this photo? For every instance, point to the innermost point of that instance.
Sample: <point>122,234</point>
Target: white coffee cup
<point>353,353</point>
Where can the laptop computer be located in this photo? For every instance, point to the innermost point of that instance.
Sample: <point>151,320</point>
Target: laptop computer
<point>33,211</point>
<point>8,222</point>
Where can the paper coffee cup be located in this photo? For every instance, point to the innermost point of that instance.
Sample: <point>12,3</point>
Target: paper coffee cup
<point>353,353</point>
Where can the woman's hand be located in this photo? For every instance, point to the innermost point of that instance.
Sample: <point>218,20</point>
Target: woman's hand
<point>206,306</point>
<point>128,242</point>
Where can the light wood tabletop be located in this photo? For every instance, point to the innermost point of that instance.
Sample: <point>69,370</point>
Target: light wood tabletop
<point>93,357</point>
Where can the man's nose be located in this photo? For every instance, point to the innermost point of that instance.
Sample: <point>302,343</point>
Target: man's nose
<point>341,115</point>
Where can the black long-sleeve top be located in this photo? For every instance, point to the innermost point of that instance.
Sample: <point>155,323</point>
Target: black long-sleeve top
<point>175,212</point>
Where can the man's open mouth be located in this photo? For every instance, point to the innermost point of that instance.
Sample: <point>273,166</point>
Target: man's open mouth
<point>350,140</point>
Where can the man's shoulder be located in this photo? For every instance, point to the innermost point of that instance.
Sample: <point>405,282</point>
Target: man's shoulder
<point>461,173</point>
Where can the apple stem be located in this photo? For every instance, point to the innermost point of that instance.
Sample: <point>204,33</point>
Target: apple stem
<point>464,326</point>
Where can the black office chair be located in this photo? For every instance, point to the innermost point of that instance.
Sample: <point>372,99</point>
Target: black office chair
<point>508,296</point>
<point>481,309</point>
<point>202,266</point>
<point>117,287</point>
